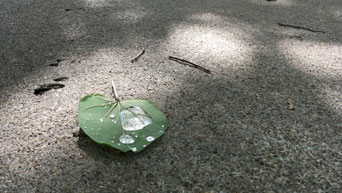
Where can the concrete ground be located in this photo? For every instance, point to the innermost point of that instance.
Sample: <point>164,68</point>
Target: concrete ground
<point>268,118</point>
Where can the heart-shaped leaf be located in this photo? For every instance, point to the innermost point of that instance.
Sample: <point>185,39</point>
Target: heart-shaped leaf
<point>124,125</point>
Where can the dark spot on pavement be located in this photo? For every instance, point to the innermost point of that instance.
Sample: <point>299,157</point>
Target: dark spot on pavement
<point>61,79</point>
<point>300,38</point>
<point>56,63</point>
<point>46,87</point>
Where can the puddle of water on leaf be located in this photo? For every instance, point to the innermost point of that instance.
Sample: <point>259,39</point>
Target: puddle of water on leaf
<point>126,139</point>
<point>134,118</point>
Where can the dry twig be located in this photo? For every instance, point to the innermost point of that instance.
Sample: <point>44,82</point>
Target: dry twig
<point>187,63</point>
<point>299,27</point>
<point>138,56</point>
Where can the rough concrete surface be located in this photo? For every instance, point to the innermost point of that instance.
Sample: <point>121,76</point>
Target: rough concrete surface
<point>268,117</point>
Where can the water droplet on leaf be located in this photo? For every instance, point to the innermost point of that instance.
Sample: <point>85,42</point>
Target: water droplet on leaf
<point>134,118</point>
<point>126,139</point>
<point>150,138</point>
<point>134,149</point>
<point>112,116</point>
<point>101,120</point>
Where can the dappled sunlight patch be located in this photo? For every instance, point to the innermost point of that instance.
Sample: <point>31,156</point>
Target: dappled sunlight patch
<point>130,16</point>
<point>278,2</point>
<point>332,97</point>
<point>315,58</point>
<point>108,55</point>
<point>337,13</point>
<point>96,3</point>
<point>110,3</point>
<point>74,31</point>
<point>215,48</point>
<point>207,17</point>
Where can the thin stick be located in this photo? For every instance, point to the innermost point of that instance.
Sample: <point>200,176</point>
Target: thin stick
<point>70,9</point>
<point>114,91</point>
<point>187,63</point>
<point>138,56</point>
<point>299,27</point>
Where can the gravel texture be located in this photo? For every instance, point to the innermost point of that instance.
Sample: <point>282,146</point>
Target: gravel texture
<point>267,119</point>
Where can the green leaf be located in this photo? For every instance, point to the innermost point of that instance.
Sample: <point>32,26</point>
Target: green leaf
<point>128,125</point>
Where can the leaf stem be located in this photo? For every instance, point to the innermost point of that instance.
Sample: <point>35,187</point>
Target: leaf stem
<point>116,96</point>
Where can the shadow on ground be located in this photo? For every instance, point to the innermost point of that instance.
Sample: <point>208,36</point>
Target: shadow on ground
<point>266,129</point>
<point>36,34</point>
